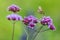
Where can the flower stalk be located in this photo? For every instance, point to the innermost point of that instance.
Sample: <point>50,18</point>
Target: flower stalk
<point>37,31</point>
<point>13,30</point>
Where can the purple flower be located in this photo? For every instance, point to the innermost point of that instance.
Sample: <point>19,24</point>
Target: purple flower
<point>26,21</point>
<point>31,25</point>
<point>46,20</point>
<point>14,8</point>
<point>14,17</point>
<point>33,19</point>
<point>30,21</point>
<point>52,27</point>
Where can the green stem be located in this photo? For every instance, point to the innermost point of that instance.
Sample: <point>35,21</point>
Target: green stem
<point>13,30</point>
<point>37,32</point>
<point>26,31</point>
<point>45,30</point>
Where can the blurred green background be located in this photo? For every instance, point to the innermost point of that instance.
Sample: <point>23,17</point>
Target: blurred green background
<point>51,7</point>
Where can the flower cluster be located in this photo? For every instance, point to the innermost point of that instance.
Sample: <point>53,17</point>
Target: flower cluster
<point>14,16</point>
<point>48,21</point>
<point>30,21</point>
<point>14,8</point>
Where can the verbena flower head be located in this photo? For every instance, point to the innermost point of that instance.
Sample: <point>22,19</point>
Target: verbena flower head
<point>14,17</point>
<point>46,20</point>
<point>30,21</point>
<point>51,26</point>
<point>14,8</point>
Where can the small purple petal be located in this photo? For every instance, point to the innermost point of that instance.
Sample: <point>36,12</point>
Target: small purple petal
<point>8,17</point>
<point>35,21</point>
<point>31,25</point>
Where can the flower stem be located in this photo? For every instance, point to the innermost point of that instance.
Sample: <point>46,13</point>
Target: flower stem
<point>37,32</point>
<point>45,30</point>
<point>26,31</point>
<point>13,30</point>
